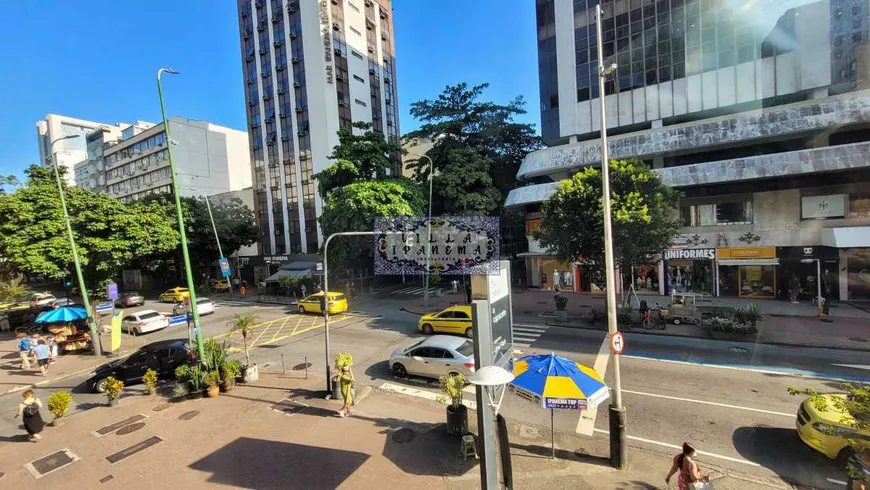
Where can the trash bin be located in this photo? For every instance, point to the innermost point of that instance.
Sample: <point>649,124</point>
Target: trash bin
<point>336,388</point>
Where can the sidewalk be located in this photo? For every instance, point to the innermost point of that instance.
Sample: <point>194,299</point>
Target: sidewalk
<point>280,433</point>
<point>847,327</point>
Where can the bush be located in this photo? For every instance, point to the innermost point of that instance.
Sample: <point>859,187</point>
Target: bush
<point>180,390</point>
<point>561,302</point>
<point>623,315</point>
<point>150,379</point>
<point>750,314</point>
<point>452,386</point>
<point>59,402</point>
<point>114,388</point>
<point>212,379</point>
<point>729,325</point>
<point>231,370</point>
<point>599,315</point>
<point>196,378</point>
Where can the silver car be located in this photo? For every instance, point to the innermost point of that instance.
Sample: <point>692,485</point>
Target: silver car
<point>434,357</point>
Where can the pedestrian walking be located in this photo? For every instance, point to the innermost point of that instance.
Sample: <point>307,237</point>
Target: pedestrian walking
<point>24,352</point>
<point>42,355</point>
<point>29,408</point>
<point>236,283</point>
<point>52,348</point>
<point>689,477</point>
<point>304,290</point>
<point>347,381</point>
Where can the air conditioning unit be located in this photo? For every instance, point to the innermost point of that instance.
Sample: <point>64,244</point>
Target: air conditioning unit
<point>387,80</point>
<point>297,84</point>
<point>249,58</point>
<point>383,14</point>
<point>267,97</point>
<point>277,43</point>
<point>276,19</point>
<point>299,109</point>
<point>245,13</point>
<point>335,26</point>
<point>371,49</point>
<point>293,35</point>
<point>300,133</point>
<point>339,77</point>
<point>254,125</point>
<point>372,71</point>
<point>250,81</point>
<point>273,165</point>
<point>246,36</point>
<point>384,36</point>
<point>263,51</point>
<point>368,3</point>
<point>259,4</point>
<point>255,147</point>
<point>342,103</point>
<point>252,103</point>
<point>279,68</point>
<point>285,138</point>
<point>269,119</point>
<point>261,28</point>
<point>337,51</point>
<point>282,115</point>
<point>281,91</point>
<point>295,60</point>
<point>304,181</point>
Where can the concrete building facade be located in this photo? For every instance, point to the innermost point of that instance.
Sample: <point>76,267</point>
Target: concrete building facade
<point>209,159</point>
<point>90,173</point>
<point>755,112</point>
<point>310,68</point>
<point>67,152</point>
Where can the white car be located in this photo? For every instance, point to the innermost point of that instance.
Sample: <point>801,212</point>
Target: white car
<point>204,306</point>
<point>434,357</point>
<point>144,321</point>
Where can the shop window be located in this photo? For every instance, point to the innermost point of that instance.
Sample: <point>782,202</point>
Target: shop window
<point>726,213</point>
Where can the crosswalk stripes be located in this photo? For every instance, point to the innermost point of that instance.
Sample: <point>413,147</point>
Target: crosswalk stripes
<point>411,291</point>
<point>221,302</point>
<point>525,335</point>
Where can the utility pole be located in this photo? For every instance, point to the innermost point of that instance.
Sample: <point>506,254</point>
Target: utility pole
<point>200,348</point>
<point>618,448</point>
<point>92,323</point>
<point>429,231</point>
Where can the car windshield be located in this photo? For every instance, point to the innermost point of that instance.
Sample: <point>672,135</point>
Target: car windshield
<point>412,346</point>
<point>466,349</point>
<point>148,316</point>
<point>203,301</point>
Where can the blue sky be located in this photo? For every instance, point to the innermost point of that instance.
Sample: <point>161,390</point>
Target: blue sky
<point>97,60</point>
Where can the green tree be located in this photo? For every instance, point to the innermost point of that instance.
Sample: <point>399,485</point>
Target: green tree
<point>370,152</point>
<point>109,234</point>
<point>643,211</point>
<point>8,182</point>
<point>483,135</point>
<point>354,207</point>
<point>339,174</point>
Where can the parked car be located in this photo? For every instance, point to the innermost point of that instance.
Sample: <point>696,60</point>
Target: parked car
<point>434,357</point>
<point>456,319</point>
<point>311,304</point>
<point>827,431</point>
<point>175,295</point>
<point>163,356</point>
<point>129,299</point>
<point>220,285</point>
<point>144,321</point>
<point>22,314</point>
<point>64,302</point>
<point>204,306</point>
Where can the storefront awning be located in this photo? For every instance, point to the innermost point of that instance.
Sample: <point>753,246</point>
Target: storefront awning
<point>534,254</point>
<point>748,261</point>
<point>846,237</point>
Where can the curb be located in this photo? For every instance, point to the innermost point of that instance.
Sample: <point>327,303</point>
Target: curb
<point>652,333</point>
<point>44,382</point>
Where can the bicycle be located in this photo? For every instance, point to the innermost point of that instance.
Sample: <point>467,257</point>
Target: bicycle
<point>648,322</point>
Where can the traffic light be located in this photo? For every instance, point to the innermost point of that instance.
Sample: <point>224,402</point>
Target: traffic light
<point>67,282</point>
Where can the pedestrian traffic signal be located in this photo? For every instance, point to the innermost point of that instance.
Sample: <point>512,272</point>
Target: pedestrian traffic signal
<point>67,282</point>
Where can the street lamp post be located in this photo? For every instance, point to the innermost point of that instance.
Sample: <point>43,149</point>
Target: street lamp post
<point>95,335</point>
<point>216,238</point>
<point>618,448</point>
<point>429,229</point>
<point>175,189</point>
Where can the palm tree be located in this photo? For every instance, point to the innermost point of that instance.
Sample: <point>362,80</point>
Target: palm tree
<point>8,180</point>
<point>244,324</point>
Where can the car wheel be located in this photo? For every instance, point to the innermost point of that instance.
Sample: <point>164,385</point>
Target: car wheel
<point>469,333</point>
<point>427,329</point>
<point>676,321</point>
<point>845,454</point>
<point>301,310</point>
<point>100,386</point>
<point>452,373</point>
<point>138,331</point>
<point>399,371</point>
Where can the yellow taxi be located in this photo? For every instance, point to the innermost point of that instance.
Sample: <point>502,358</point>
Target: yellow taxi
<point>311,304</point>
<point>456,319</point>
<point>221,285</point>
<point>827,430</point>
<point>175,295</point>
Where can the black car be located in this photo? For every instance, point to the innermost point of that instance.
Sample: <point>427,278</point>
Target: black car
<point>163,356</point>
<point>128,299</point>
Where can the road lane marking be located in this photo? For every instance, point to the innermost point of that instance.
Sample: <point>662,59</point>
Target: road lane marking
<point>854,366</point>
<point>837,482</point>
<point>406,390</point>
<point>737,407</point>
<point>674,446</point>
<point>586,422</point>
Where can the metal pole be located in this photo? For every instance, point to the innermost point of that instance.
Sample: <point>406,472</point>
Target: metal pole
<point>175,189</point>
<point>819,286</point>
<point>218,240</point>
<point>95,334</point>
<point>429,231</point>
<point>618,448</point>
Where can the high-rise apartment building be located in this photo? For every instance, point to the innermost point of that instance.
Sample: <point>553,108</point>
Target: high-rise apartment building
<point>69,151</point>
<point>90,173</point>
<point>753,110</point>
<point>310,68</point>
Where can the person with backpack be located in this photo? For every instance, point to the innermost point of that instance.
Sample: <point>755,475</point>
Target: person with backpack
<point>689,475</point>
<point>29,408</point>
<point>24,353</point>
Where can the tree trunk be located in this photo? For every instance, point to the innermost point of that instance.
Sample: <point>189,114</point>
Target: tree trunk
<point>247,357</point>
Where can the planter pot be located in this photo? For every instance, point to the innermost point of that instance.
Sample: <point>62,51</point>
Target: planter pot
<point>561,315</point>
<point>457,420</point>
<point>336,389</point>
<point>57,422</point>
<point>194,394</point>
<point>212,391</point>
<point>251,374</point>
<point>227,385</point>
<point>152,391</point>
<point>113,403</point>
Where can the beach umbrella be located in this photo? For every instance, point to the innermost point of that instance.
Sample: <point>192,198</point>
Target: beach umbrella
<point>556,382</point>
<point>62,314</point>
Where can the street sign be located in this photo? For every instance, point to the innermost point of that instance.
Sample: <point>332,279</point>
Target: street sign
<point>105,307</point>
<point>495,289</point>
<point>318,271</point>
<point>177,320</point>
<point>565,404</point>
<point>225,267</point>
<point>617,343</point>
<point>112,291</point>
<point>116,330</point>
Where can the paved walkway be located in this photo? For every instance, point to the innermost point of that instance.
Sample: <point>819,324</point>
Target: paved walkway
<point>281,434</point>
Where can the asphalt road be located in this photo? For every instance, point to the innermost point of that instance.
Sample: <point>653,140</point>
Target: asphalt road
<point>730,400</point>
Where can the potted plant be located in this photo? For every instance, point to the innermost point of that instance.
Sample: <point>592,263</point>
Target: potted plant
<point>230,370</point>
<point>728,329</point>
<point>213,383</point>
<point>561,307</point>
<point>457,413</point>
<point>342,360</point>
<point>180,392</point>
<point>114,388</point>
<point>195,380</point>
<point>244,324</point>
<point>58,405</point>
<point>749,314</point>
<point>150,380</point>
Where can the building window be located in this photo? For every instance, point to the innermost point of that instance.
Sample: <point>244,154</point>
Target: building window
<point>356,54</point>
<point>351,5</point>
<point>359,79</point>
<point>358,33</point>
<point>720,214</point>
<point>359,102</point>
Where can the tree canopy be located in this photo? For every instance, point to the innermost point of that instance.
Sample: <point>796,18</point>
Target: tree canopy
<point>369,152</point>
<point>483,136</point>
<point>109,234</point>
<point>643,211</point>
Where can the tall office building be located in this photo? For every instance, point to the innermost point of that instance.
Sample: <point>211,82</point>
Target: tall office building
<point>753,110</point>
<point>310,68</point>
<point>69,151</point>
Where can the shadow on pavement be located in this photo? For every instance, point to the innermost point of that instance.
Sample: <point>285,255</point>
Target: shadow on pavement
<point>262,464</point>
<point>424,453</point>
<point>16,438</point>
<point>781,451</point>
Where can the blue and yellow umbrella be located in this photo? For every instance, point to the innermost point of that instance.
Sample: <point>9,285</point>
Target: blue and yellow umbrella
<point>556,382</point>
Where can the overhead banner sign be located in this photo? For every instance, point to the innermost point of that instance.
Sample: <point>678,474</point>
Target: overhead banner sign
<point>460,245</point>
